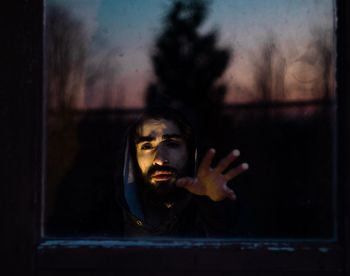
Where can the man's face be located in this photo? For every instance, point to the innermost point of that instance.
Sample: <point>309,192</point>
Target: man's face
<point>161,153</point>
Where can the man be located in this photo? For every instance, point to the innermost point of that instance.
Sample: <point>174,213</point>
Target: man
<point>163,194</point>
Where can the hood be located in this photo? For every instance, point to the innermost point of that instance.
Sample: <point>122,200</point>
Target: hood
<point>128,192</point>
<point>130,188</point>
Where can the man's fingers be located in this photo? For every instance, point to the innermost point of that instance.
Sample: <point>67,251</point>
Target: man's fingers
<point>225,162</point>
<point>207,159</point>
<point>236,171</point>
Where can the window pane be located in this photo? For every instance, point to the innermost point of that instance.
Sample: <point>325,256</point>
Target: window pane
<point>258,76</point>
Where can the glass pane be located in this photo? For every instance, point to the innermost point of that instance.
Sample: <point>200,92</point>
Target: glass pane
<point>257,76</point>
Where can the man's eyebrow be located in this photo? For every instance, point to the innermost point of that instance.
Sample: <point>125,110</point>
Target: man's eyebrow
<point>140,139</point>
<point>172,136</point>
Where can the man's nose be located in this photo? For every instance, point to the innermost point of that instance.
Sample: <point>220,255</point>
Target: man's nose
<point>160,157</point>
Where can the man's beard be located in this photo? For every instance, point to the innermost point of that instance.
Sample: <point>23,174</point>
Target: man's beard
<point>162,192</point>
<point>161,187</point>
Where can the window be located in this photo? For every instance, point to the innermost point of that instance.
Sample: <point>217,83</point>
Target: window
<point>325,253</point>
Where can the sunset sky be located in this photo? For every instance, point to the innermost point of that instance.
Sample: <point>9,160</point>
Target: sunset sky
<point>124,31</point>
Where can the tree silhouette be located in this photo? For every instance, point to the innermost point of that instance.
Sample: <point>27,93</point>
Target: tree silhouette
<point>66,56</point>
<point>268,68</point>
<point>188,63</point>
<point>323,43</point>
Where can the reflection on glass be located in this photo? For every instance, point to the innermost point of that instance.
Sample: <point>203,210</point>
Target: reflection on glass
<point>247,75</point>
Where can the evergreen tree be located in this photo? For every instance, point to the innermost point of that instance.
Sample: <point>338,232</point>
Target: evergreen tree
<point>188,63</point>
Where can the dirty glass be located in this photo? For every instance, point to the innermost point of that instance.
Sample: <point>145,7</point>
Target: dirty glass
<point>258,76</point>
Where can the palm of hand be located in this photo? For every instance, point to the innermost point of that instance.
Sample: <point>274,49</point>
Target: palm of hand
<point>212,182</point>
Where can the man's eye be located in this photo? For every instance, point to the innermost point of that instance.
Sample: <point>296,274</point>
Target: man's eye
<point>147,146</point>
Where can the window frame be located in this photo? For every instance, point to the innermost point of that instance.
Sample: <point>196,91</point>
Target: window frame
<point>27,252</point>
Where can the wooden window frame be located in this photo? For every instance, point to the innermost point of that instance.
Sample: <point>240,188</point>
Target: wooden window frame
<point>26,252</point>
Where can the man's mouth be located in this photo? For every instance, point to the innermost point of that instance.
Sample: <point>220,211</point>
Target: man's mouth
<point>162,175</point>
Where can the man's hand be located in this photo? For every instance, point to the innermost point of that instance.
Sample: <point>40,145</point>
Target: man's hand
<point>212,182</point>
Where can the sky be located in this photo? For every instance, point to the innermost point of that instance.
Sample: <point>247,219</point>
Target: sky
<point>128,29</point>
